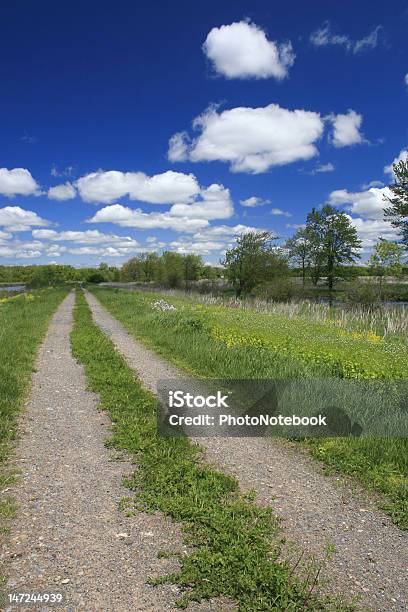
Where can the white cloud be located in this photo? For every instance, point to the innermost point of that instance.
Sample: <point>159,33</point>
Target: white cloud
<point>210,240</point>
<point>403,156</point>
<point>5,236</point>
<point>16,219</point>
<point>17,249</point>
<point>30,254</point>
<point>105,187</point>
<point>63,192</point>
<point>369,203</point>
<point>17,181</point>
<point>215,204</point>
<point>369,231</point>
<point>127,217</point>
<point>323,37</point>
<point>322,168</point>
<point>242,50</point>
<point>346,129</point>
<point>184,247</point>
<point>406,79</point>
<point>178,147</point>
<point>89,237</point>
<point>55,250</point>
<point>254,201</point>
<point>372,184</point>
<point>226,231</point>
<point>278,212</point>
<point>254,139</point>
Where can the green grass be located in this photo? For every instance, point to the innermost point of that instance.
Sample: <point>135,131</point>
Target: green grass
<point>235,544</point>
<point>23,323</point>
<point>222,342</point>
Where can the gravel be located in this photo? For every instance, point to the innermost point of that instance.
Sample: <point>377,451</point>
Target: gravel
<point>370,558</point>
<point>69,534</point>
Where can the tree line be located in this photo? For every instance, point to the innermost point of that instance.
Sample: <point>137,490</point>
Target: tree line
<point>169,269</point>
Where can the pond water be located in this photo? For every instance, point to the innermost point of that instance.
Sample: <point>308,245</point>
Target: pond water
<point>12,287</point>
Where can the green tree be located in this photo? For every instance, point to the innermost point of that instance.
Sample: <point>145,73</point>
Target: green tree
<point>254,260</point>
<point>397,213</point>
<point>386,260</point>
<point>173,270</point>
<point>300,250</point>
<point>335,241</point>
<point>132,271</point>
<point>192,267</point>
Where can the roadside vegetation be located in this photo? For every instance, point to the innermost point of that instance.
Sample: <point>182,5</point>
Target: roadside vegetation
<point>234,544</point>
<point>223,342</point>
<point>23,322</point>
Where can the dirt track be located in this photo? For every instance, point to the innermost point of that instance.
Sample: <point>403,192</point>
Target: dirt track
<point>371,554</point>
<point>69,534</point>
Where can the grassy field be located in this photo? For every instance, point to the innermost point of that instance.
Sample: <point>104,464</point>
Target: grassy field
<point>221,342</point>
<point>235,544</point>
<point>23,323</point>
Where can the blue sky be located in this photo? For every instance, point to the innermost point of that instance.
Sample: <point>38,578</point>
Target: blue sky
<point>178,125</point>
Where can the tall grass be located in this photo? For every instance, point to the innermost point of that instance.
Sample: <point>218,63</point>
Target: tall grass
<point>221,342</point>
<point>385,320</point>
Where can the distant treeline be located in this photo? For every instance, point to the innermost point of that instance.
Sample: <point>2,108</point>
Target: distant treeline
<point>41,276</point>
<point>168,270</point>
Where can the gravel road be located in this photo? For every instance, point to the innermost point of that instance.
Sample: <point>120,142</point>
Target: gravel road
<point>370,558</point>
<point>69,535</point>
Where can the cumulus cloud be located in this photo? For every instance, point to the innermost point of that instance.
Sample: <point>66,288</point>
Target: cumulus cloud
<point>63,192</point>
<point>185,247</point>
<point>254,139</point>
<point>178,147</point>
<point>128,217</point>
<point>369,203</point>
<point>242,50</point>
<point>168,187</point>
<point>16,219</point>
<point>322,37</point>
<point>5,236</point>
<point>372,184</point>
<point>254,201</point>
<point>17,181</point>
<point>403,156</point>
<point>282,213</point>
<point>85,237</point>
<point>210,240</point>
<point>18,249</point>
<point>369,230</point>
<point>215,203</point>
<point>346,129</point>
<point>222,231</point>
